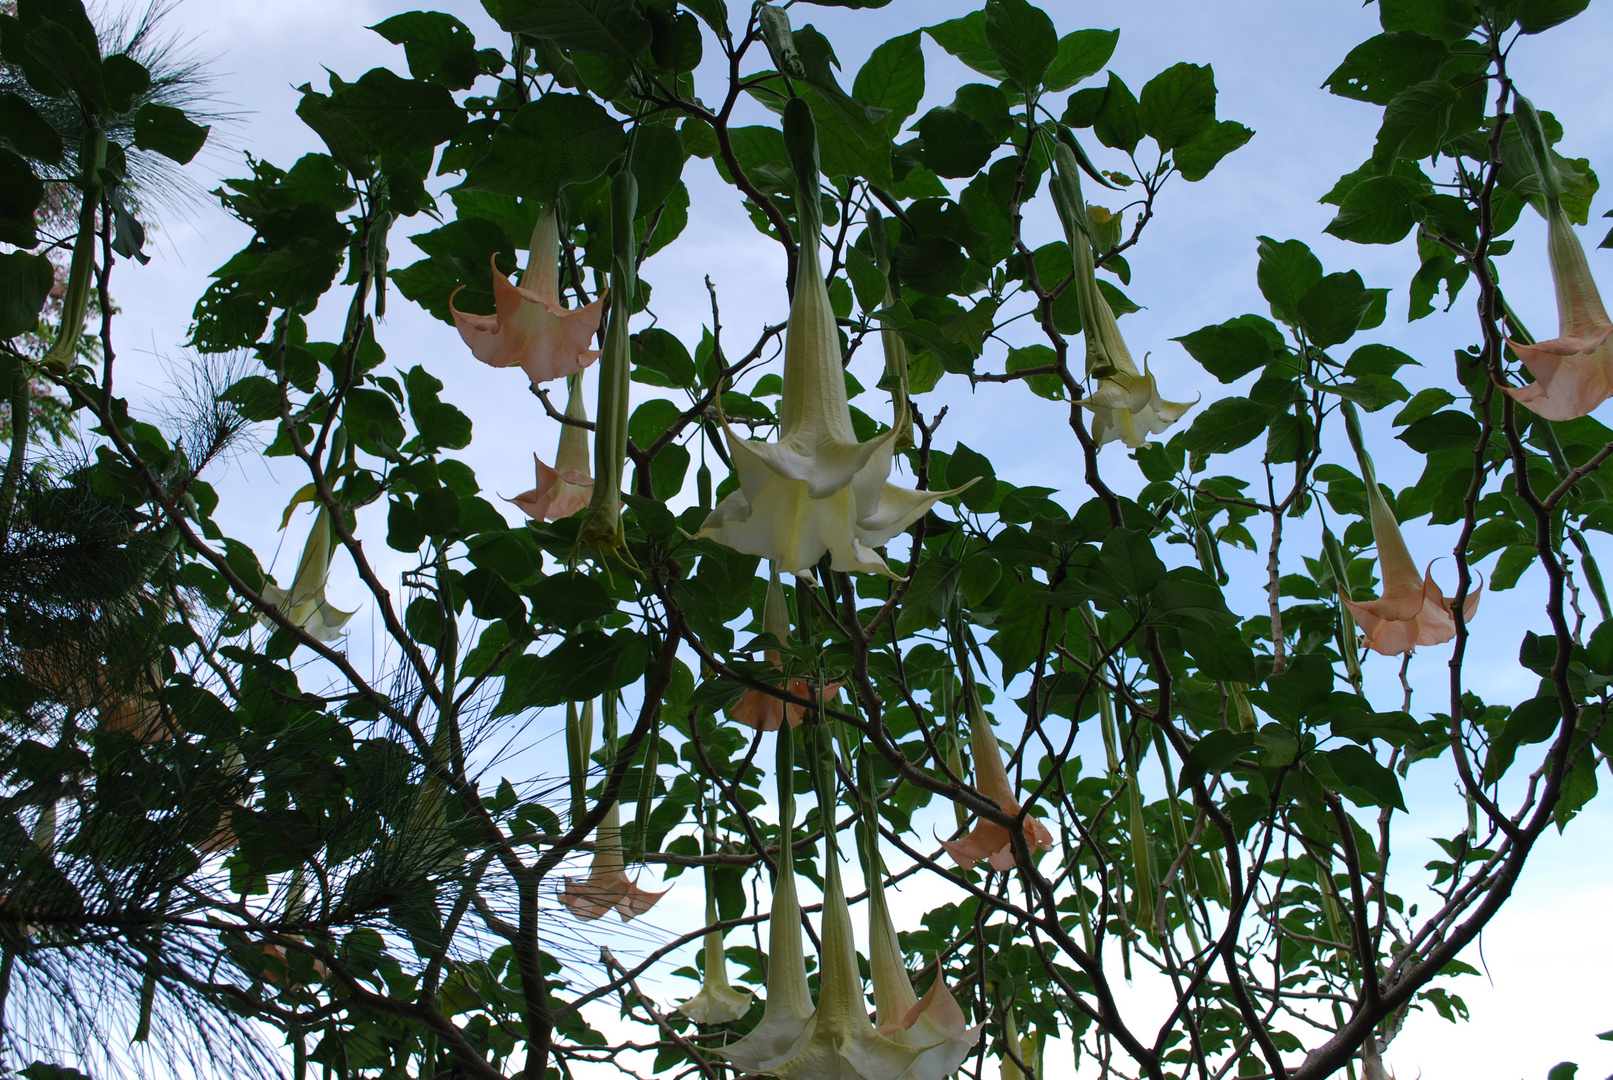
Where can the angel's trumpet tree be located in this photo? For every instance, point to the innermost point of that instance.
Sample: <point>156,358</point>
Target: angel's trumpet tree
<point>717,1002</point>
<point>817,489</point>
<point>565,489</point>
<point>530,328</point>
<point>607,886</point>
<point>1125,403</point>
<point>758,709</point>
<point>988,840</point>
<point>789,1000</point>
<point>1412,610</point>
<point>304,603</point>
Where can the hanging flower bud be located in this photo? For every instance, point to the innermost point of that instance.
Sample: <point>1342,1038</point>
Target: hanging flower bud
<point>602,527</point>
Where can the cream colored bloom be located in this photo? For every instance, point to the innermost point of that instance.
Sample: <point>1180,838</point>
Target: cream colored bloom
<point>838,1042</point>
<point>1412,611</point>
<point>566,488</point>
<point>1574,370</point>
<point>1125,403</point>
<point>789,1000</point>
<point>304,603</point>
<point>758,709</point>
<point>988,840</point>
<point>817,489</point>
<point>606,885</point>
<point>531,329</point>
<point>717,1002</point>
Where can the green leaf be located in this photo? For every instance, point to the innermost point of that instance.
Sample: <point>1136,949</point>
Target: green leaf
<point>953,143</point>
<point>893,79</point>
<point>1224,425</point>
<point>614,28</point>
<point>439,47</point>
<point>1081,55</point>
<point>1117,124</point>
<point>1395,728</point>
<point>1022,38</point>
<point>1196,157</point>
<point>660,359</point>
<point>166,130</point>
<point>30,133</point>
<point>396,116</point>
<point>25,284</point>
<point>1365,779</point>
<point>1236,347</point>
<point>1219,749</point>
<point>1287,270</point>
<point>1426,403</point>
<point>404,532</point>
<point>965,38</point>
<point>1178,104</point>
<point>371,419</point>
<point>1423,117</point>
<point>1537,15</point>
<point>568,600</point>
<point>1381,210</point>
<point>1129,563</point>
<point>1442,431</point>
<point>867,280</point>
<point>1332,309</point>
<point>557,140</point>
<point>1563,1070</point>
<point>1381,67</point>
<point>1447,20</point>
<point>967,465</point>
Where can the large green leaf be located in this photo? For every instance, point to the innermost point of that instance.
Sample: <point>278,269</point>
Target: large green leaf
<point>439,47</point>
<point>1235,347</point>
<point>25,283</point>
<point>1381,210</point>
<point>965,38</point>
<point>1537,15</point>
<point>1081,55</point>
<point>1424,116</point>
<point>610,27</point>
<point>1224,425</point>
<point>1287,269</point>
<point>893,79</point>
<point>1333,309</point>
<point>557,140</point>
<point>1447,20</point>
<point>166,130</point>
<point>1178,104</point>
<point>1381,67</point>
<point>1022,38</point>
<point>1196,157</point>
<point>1118,123</point>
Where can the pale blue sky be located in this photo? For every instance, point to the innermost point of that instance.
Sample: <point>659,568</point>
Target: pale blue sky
<point>1196,265</point>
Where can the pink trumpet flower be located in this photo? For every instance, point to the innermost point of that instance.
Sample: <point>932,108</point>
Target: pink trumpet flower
<point>1574,370</point>
<point>531,329</point>
<point>758,709</point>
<point>1412,611</point>
<point>988,840</point>
<point>566,488</point>
<point>606,886</point>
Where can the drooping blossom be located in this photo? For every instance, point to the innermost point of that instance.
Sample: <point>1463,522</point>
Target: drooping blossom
<point>1125,403</point>
<point>789,1000</point>
<point>304,603</point>
<point>565,489</point>
<point>607,886</point>
<point>1412,610</point>
<point>838,1042</point>
<point>1574,370</point>
<point>758,709</point>
<point>934,1024</point>
<point>817,489</point>
<point>531,329</point>
<point>717,1002</point>
<point>988,840</point>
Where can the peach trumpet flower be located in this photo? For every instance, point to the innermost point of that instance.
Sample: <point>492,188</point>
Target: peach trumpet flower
<point>1412,611</point>
<point>758,709</point>
<point>606,885</point>
<point>531,329</point>
<point>565,489</point>
<point>934,1024</point>
<point>1574,370</point>
<point>988,840</point>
